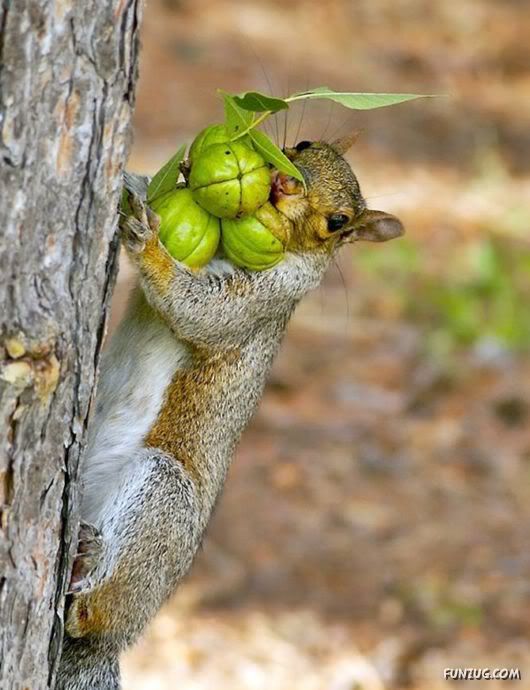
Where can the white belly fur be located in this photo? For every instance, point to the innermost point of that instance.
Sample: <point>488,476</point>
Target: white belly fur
<point>135,372</point>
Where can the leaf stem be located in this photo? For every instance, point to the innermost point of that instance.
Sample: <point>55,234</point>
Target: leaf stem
<point>253,124</point>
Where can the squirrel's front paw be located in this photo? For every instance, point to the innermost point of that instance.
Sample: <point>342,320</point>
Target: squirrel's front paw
<point>89,552</point>
<point>140,227</point>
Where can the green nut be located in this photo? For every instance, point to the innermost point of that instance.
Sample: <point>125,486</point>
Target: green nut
<point>214,134</point>
<point>256,242</point>
<point>188,232</point>
<point>230,180</point>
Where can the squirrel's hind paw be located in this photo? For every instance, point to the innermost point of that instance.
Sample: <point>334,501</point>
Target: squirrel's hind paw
<point>89,552</point>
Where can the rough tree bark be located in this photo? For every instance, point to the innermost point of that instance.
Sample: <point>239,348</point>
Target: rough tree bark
<point>67,77</point>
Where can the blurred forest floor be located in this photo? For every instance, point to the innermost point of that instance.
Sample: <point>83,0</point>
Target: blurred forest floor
<point>375,524</point>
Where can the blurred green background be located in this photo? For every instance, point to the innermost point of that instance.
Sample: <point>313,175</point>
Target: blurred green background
<point>374,527</point>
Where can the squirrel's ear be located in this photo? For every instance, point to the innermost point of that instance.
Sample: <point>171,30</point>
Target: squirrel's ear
<point>344,144</point>
<point>377,226</point>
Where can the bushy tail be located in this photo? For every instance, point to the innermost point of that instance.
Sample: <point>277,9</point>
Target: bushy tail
<point>87,665</point>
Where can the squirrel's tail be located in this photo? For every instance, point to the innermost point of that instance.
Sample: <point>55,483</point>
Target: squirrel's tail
<point>87,665</point>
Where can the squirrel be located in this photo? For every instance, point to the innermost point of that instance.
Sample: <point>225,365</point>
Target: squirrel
<point>179,382</point>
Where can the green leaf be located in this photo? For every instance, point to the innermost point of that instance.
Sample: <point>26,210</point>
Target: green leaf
<point>237,120</point>
<point>167,177</point>
<point>357,101</point>
<point>260,102</point>
<point>274,155</point>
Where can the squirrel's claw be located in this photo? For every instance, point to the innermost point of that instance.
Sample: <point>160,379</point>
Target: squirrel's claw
<point>89,550</point>
<point>139,227</point>
<point>138,208</point>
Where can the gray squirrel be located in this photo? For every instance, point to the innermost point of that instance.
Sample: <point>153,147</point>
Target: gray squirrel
<point>179,382</point>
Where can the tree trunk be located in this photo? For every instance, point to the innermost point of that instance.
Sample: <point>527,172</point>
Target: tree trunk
<point>67,76</point>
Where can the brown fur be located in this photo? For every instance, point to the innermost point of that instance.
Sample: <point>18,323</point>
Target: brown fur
<point>159,266</point>
<point>97,612</point>
<point>186,400</point>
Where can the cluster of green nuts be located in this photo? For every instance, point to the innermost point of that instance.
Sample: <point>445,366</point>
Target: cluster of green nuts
<point>223,204</point>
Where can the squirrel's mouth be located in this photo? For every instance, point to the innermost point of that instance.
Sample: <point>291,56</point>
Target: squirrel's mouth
<point>283,185</point>
<point>286,195</point>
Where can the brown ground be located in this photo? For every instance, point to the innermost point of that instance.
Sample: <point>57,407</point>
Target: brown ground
<point>374,528</point>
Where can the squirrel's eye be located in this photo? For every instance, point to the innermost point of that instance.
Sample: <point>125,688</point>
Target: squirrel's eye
<point>303,145</point>
<point>337,221</point>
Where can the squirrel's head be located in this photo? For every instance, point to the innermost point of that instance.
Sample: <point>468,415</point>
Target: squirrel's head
<point>330,211</point>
